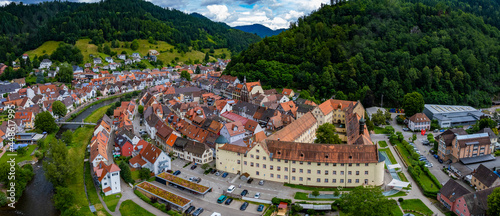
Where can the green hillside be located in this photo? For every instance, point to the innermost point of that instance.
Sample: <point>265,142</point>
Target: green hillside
<point>366,49</point>
<point>26,27</point>
<point>144,46</point>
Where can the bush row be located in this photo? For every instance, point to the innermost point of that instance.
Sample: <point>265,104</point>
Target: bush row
<point>160,206</point>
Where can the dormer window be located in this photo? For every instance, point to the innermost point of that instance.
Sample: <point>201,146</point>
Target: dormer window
<point>302,154</point>
<point>279,152</point>
<point>326,156</point>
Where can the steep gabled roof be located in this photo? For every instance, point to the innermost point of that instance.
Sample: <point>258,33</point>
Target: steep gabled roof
<point>453,190</point>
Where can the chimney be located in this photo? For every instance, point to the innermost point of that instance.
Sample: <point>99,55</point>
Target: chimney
<point>362,126</point>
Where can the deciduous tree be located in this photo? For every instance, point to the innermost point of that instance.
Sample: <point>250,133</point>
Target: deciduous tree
<point>362,201</point>
<point>494,202</point>
<point>59,108</point>
<point>326,134</point>
<point>45,122</point>
<point>57,166</point>
<point>413,103</point>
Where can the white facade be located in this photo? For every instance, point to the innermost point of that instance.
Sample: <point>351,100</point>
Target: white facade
<point>225,133</point>
<point>419,125</point>
<point>111,180</point>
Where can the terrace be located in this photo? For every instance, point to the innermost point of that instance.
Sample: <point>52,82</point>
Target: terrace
<point>164,196</point>
<point>183,183</point>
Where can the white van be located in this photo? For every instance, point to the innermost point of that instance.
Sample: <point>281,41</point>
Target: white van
<point>231,188</point>
<point>216,214</point>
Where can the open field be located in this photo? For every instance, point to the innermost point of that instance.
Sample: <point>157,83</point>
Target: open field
<point>18,158</point>
<point>130,208</point>
<point>416,205</point>
<point>47,47</point>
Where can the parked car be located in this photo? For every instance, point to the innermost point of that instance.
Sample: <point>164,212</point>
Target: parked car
<point>231,188</point>
<point>257,195</point>
<point>198,180</point>
<point>260,208</point>
<point>436,156</point>
<point>213,171</point>
<point>176,173</point>
<point>406,129</point>
<point>221,199</point>
<point>428,165</point>
<point>217,174</point>
<point>261,182</point>
<point>440,160</point>
<point>225,175</point>
<point>193,167</point>
<point>244,206</point>
<point>250,180</point>
<point>228,201</point>
<point>192,179</point>
<point>244,192</point>
<point>423,159</point>
<point>198,212</point>
<point>190,209</point>
<point>432,151</point>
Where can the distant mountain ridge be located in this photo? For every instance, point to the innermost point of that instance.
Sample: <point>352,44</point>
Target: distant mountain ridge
<point>259,29</point>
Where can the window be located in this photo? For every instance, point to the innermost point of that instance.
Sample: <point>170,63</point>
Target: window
<point>341,180</point>
<point>245,163</point>
<point>301,163</point>
<point>366,181</point>
<point>319,164</point>
<point>251,156</point>
<point>318,172</point>
<point>279,160</point>
<point>326,164</point>
<point>257,173</point>
<point>286,161</point>
<point>278,168</point>
<point>334,180</point>
<point>308,163</point>
<point>357,172</point>
<point>326,180</point>
<point>341,172</point>
<point>366,172</point>
<point>349,172</point>
<point>279,176</point>
<point>293,178</point>
<point>318,180</point>
<point>251,164</point>
<point>272,175</point>
<point>357,164</point>
<point>263,158</point>
<point>271,167</point>
<point>301,179</point>
<point>326,172</point>
<point>293,162</point>
<point>257,151</point>
<point>350,164</point>
<point>257,156</point>
<point>263,166</point>
<point>301,171</point>
<point>348,180</point>
<point>257,164</point>
<point>239,162</point>
<point>334,164</point>
<point>308,179</point>
<point>334,172</point>
<point>286,177</point>
<point>366,164</point>
<point>308,171</point>
<point>286,169</point>
<point>357,180</point>
<point>342,164</point>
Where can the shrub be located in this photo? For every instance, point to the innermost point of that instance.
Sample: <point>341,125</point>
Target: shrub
<point>400,199</point>
<point>276,201</point>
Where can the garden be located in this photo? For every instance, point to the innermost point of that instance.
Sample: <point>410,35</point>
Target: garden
<point>415,206</point>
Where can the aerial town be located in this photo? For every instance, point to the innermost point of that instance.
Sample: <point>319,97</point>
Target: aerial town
<point>250,108</point>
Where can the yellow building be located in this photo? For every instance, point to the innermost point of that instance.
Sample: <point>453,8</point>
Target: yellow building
<point>290,156</point>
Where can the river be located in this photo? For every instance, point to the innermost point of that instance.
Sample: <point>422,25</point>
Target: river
<point>36,199</point>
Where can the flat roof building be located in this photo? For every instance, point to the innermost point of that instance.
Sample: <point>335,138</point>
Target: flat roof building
<point>452,115</point>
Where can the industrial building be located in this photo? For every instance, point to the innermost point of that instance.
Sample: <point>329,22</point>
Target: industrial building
<point>452,115</point>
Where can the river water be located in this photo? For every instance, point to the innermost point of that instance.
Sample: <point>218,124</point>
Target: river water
<point>37,197</point>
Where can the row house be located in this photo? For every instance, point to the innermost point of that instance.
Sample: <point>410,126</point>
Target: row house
<point>152,158</point>
<point>193,151</point>
<point>459,200</point>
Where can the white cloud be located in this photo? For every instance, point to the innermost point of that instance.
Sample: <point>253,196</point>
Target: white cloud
<point>293,15</point>
<point>2,3</point>
<point>218,12</point>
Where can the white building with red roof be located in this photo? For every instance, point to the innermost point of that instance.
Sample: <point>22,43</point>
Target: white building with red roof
<point>109,178</point>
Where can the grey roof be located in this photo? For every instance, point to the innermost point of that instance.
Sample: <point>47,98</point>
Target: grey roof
<point>304,108</point>
<point>68,101</point>
<point>245,107</point>
<point>471,160</point>
<point>489,131</point>
<point>453,190</point>
<point>436,108</point>
<point>190,146</point>
<point>7,88</point>
<point>151,120</point>
<point>477,202</point>
<point>186,90</point>
<point>485,175</point>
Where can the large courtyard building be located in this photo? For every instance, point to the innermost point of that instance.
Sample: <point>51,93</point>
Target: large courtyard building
<point>450,116</point>
<point>291,156</point>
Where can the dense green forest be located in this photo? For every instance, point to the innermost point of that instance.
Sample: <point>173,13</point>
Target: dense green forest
<point>369,49</point>
<point>25,27</point>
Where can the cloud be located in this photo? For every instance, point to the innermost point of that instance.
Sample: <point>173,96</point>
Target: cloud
<point>2,3</point>
<point>249,2</point>
<point>293,15</point>
<point>218,12</point>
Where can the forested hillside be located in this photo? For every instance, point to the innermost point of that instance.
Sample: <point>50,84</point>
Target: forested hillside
<point>363,49</point>
<point>25,27</point>
<point>259,29</point>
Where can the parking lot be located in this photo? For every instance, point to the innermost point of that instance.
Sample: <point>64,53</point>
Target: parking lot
<point>219,184</point>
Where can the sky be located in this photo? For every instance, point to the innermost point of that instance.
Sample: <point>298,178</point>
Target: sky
<point>274,14</point>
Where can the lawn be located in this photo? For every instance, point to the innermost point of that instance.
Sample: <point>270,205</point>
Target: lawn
<point>130,208</point>
<point>404,153</point>
<point>92,193</point>
<point>380,130</point>
<point>398,194</point>
<point>305,196</point>
<point>302,187</point>
<point>144,46</point>
<point>382,144</point>
<point>111,201</point>
<point>97,114</point>
<point>396,211</point>
<point>81,138</point>
<point>402,177</point>
<point>389,154</point>
<point>427,183</point>
<point>416,205</point>
<point>135,175</point>
<point>18,158</point>
<point>47,47</point>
